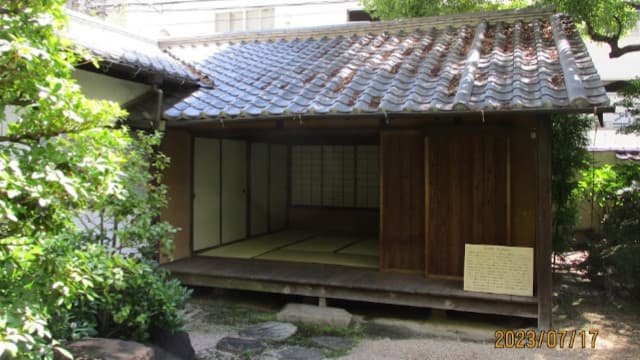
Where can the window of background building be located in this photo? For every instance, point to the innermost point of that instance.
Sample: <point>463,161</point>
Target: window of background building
<point>244,20</point>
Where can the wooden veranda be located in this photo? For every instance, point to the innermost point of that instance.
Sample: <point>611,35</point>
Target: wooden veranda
<point>343,282</point>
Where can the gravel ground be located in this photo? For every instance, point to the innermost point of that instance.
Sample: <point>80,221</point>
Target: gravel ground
<point>452,349</point>
<point>615,341</point>
<point>402,333</point>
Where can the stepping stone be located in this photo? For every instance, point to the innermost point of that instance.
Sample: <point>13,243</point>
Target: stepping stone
<point>240,345</point>
<point>114,349</point>
<point>333,342</point>
<point>272,330</point>
<point>299,353</point>
<point>310,314</point>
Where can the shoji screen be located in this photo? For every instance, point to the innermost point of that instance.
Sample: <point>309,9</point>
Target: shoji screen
<point>368,176</point>
<point>335,176</point>
<point>306,175</point>
<point>278,185</point>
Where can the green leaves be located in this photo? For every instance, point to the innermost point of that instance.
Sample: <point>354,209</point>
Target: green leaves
<point>614,253</point>
<point>62,157</point>
<point>568,157</point>
<point>631,103</point>
<point>603,20</point>
<point>394,9</point>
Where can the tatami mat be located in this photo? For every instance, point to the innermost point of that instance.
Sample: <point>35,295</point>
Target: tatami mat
<point>253,247</point>
<point>363,247</point>
<point>304,246</point>
<point>323,243</point>
<point>322,258</point>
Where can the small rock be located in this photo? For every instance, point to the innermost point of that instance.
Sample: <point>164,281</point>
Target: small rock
<point>333,342</point>
<point>271,330</point>
<point>113,349</point>
<point>269,355</point>
<point>299,353</point>
<point>206,354</point>
<point>315,315</point>
<point>176,342</point>
<point>240,345</point>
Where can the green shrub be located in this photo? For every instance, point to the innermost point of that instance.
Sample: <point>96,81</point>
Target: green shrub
<point>131,219</point>
<point>568,157</point>
<point>72,290</point>
<point>129,296</point>
<point>62,156</point>
<point>614,254</point>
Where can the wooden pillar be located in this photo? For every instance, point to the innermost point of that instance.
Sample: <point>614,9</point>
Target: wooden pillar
<point>543,223</point>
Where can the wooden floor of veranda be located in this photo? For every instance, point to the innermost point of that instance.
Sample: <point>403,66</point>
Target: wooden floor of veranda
<point>333,266</point>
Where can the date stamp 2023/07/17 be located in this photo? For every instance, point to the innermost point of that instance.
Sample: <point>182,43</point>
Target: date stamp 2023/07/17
<point>552,339</point>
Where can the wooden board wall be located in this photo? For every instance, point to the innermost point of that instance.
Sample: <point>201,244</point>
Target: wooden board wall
<point>523,182</point>
<point>177,146</point>
<point>544,286</point>
<point>402,201</point>
<point>467,196</point>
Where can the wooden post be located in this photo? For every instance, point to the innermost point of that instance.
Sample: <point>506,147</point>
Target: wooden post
<point>543,223</point>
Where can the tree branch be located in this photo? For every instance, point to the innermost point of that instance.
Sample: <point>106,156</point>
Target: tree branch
<point>30,138</point>
<point>612,41</point>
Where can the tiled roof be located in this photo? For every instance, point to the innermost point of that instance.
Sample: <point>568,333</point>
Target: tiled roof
<point>628,155</point>
<point>515,60</point>
<point>115,45</point>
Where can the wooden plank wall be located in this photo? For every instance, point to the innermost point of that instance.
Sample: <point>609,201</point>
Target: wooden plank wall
<point>467,197</point>
<point>402,201</point>
<point>523,182</point>
<point>177,145</point>
<point>544,286</point>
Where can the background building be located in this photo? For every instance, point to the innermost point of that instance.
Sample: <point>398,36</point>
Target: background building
<point>178,18</point>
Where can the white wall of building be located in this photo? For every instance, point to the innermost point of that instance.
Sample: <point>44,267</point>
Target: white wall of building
<point>103,87</point>
<point>94,86</point>
<point>157,18</point>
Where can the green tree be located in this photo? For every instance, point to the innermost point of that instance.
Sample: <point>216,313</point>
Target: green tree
<point>613,253</point>
<point>605,21</point>
<point>65,155</point>
<point>395,9</point>
<point>631,102</point>
<point>569,156</point>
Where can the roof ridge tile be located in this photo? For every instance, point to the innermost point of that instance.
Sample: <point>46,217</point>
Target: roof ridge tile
<point>363,28</point>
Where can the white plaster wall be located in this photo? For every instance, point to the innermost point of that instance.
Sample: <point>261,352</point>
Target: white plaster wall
<point>192,19</point>
<point>9,117</point>
<point>103,87</point>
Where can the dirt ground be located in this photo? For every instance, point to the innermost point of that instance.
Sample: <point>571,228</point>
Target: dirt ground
<point>389,332</point>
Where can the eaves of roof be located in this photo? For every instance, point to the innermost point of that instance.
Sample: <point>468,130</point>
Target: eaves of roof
<point>126,54</point>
